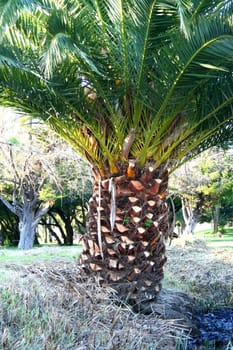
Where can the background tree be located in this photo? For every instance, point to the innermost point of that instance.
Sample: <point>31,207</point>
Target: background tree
<point>184,184</point>
<point>30,156</point>
<point>217,167</point>
<point>68,215</point>
<point>137,88</point>
<point>69,210</point>
<point>9,232</point>
<point>205,188</point>
<point>25,174</point>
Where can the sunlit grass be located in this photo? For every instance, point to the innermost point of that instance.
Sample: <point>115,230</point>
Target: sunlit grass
<point>48,252</point>
<point>223,241</point>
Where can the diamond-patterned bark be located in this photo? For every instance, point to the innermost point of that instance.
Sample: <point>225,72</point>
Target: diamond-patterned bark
<point>130,257</point>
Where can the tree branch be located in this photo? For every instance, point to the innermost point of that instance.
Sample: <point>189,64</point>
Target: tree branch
<point>15,209</point>
<point>42,210</point>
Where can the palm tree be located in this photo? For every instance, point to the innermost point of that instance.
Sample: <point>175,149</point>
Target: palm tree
<point>137,88</point>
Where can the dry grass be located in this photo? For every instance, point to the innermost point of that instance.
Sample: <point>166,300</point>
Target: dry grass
<point>205,273</point>
<point>54,307</point>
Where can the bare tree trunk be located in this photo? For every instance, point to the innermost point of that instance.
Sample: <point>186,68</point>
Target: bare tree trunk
<point>27,229</point>
<point>189,217</point>
<point>69,232</point>
<point>28,220</point>
<point>215,213</point>
<point>1,238</point>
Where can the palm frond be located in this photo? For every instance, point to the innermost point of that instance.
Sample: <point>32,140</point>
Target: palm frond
<point>101,69</point>
<point>210,7</point>
<point>184,10</point>
<point>208,42</point>
<point>11,10</point>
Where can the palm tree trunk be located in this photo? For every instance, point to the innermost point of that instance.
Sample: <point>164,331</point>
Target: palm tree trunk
<point>128,224</point>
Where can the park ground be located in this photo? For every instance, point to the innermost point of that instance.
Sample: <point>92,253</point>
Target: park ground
<point>47,304</point>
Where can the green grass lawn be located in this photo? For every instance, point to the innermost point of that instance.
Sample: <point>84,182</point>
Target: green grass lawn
<point>44,252</point>
<point>225,241</point>
<point>11,258</point>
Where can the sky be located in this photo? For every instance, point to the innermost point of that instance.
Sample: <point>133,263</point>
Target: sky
<point>9,124</point>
